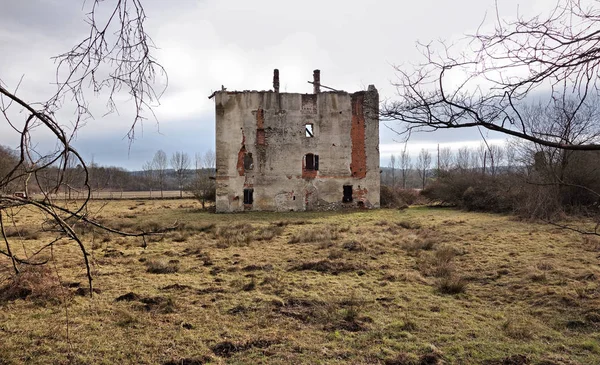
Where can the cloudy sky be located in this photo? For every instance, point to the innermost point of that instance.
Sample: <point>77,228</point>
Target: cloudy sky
<point>206,44</point>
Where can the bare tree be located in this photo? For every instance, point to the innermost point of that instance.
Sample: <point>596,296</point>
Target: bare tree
<point>209,160</point>
<point>149,175</point>
<point>491,83</point>
<point>392,166</point>
<point>558,54</point>
<point>511,156</point>
<point>423,165</point>
<point>160,165</point>
<point>463,158</point>
<point>405,166</point>
<point>495,157</point>
<point>479,157</point>
<point>444,158</point>
<point>203,186</point>
<point>115,56</point>
<point>180,162</point>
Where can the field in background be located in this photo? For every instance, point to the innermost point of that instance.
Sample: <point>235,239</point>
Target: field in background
<point>419,286</point>
<point>102,194</point>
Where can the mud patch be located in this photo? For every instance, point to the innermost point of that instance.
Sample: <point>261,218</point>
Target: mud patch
<point>328,267</point>
<point>211,290</point>
<point>267,267</point>
<point>157,304</point>
<point>176,287</point>
<point>510,360</point>
<point>129,297</point>
<point>190,361</point>
<point>228,348</point>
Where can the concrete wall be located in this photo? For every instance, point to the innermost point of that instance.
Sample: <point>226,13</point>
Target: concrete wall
<point>271,127</point>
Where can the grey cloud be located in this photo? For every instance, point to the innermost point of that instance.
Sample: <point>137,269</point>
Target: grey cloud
<point>206,44</point>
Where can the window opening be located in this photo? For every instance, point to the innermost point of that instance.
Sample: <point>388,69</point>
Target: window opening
<point>248,196</point>
<point>347,194</point>
<point>311,162</point>
<point>308,128</point>
<point>248,161</point>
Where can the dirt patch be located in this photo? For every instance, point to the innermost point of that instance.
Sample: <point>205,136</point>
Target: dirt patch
<point>151,304</point>
<point>328,266</point>
<point>129,297</point>
<point>177,287</point>
<point>510,360</point>
<point>267,267</point>
<point>83,292</point>
<point>158,304</point>
<point>228,348</point>
<point>211,290</point>
<point>190,361</point>
<point>301,309</point>
<point>342,315</point>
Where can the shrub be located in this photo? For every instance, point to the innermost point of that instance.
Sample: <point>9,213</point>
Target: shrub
<point>36,283</point>
<point>451,285</point>
<point>389,198</point>
<point>474,191</point>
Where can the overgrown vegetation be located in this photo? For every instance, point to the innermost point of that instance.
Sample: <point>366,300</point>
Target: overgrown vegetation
<point>416,286</point>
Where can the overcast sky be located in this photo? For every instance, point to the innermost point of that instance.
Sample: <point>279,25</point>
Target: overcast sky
<point>206,44</point>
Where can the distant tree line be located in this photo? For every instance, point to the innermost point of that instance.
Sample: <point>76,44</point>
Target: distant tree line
<point>159,174</point>
<point>404,172</point>
<point>530,179</point>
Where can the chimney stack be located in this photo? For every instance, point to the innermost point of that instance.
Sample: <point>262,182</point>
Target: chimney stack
<point>276,80</point>
<point>316,81</point>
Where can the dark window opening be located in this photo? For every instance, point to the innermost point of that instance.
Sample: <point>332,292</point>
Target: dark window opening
<point>347,194</point>
<point>248,161</point>
<point>248,196</point>
<point>311,162</point>
<point>309,130</point>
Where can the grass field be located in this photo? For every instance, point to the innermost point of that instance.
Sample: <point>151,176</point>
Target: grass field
<point>103,194</point>
<point>418,286</point>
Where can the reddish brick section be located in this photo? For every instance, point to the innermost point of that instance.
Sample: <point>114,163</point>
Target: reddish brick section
<point>260,118</point>
<point>359,193</point>
<point>260,137</point>
<point>240,161</point>
<point>358,165</point>
<point>260,125</point>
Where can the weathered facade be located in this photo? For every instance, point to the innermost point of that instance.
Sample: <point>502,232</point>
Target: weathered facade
<point>289,152</point>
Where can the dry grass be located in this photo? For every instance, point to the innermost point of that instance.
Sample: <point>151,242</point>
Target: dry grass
<point>418,286</point>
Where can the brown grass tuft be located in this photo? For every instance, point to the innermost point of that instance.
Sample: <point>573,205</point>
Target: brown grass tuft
<point>451,285</point>
<point>322,235</point>
<point>162,266</point>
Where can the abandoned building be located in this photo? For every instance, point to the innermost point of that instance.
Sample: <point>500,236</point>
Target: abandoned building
<point>291,152</point>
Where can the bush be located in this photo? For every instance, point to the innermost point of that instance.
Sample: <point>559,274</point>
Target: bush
<point>389,198</point>
<point>399,198</point>
<point>474,191</point>
<point>36,283</point>
<point>451,285</point>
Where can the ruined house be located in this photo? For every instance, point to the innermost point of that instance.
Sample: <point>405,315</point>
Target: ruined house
<point>280,151</point>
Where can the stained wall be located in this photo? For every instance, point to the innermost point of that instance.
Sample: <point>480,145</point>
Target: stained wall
<point>262,143</point>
